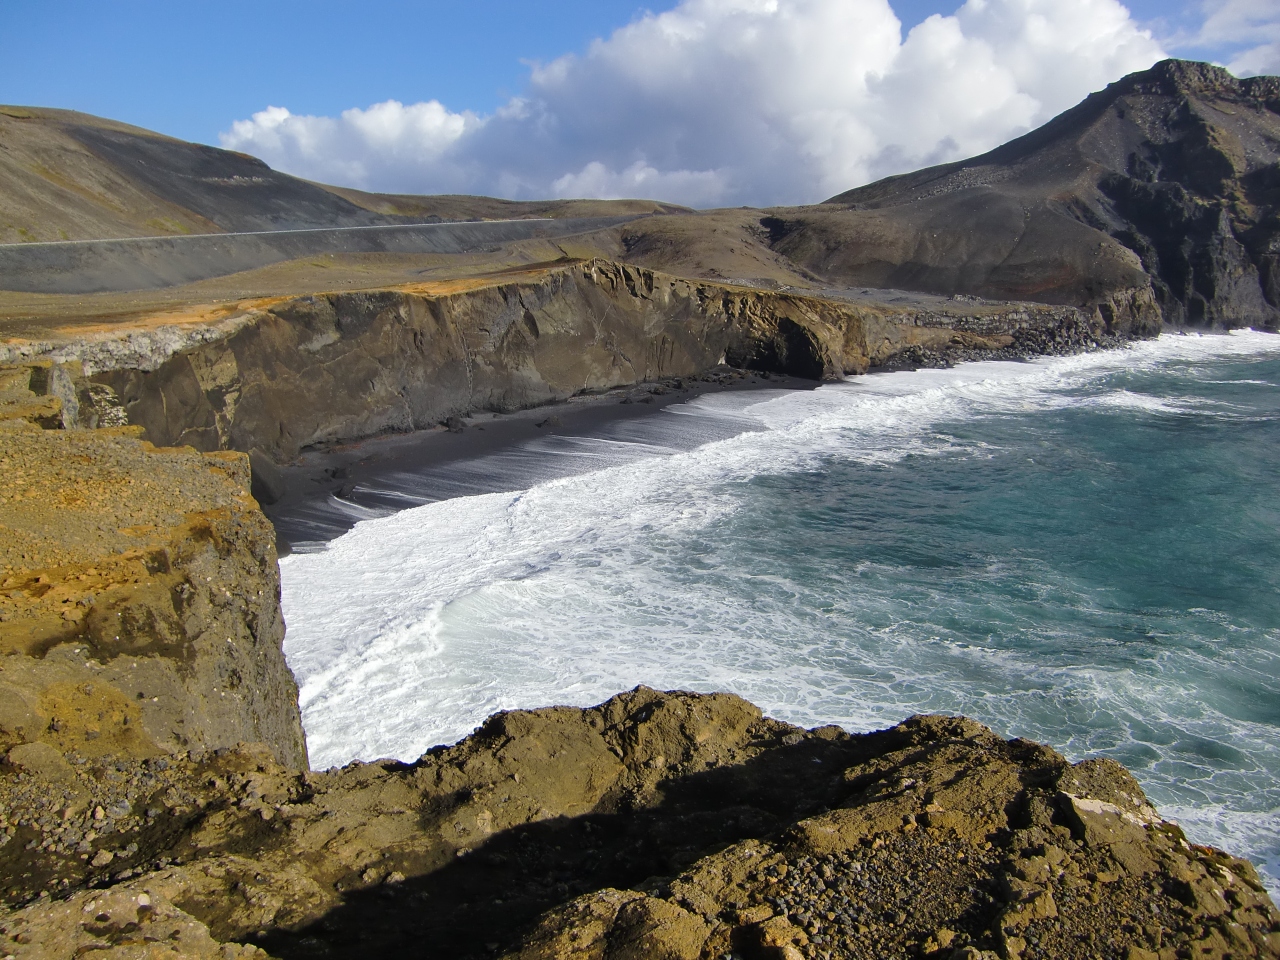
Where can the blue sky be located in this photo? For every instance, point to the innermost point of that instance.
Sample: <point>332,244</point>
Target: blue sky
<point>190,68</point>
<point>704,102</point>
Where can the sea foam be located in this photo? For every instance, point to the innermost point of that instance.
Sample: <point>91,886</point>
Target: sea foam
<point>757,564</point>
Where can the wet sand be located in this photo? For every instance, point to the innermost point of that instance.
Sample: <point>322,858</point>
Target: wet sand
<point>332,487</point>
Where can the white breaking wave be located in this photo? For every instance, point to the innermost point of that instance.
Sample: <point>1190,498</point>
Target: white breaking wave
<point>412,628</point>
<point>348,608</point>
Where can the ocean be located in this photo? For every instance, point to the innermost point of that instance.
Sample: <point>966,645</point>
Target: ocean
<point>1084,551</point>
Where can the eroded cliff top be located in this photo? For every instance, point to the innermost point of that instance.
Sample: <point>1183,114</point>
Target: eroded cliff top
<point>83,513</point>
<point>139,606</point>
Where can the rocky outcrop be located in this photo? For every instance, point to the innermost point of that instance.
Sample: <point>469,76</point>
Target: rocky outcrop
<point>283,374</point>
<point>656,825</point>
<point>139,591</point>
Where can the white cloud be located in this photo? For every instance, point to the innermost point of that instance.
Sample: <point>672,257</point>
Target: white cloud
<point>640,180</point>
<point>362,148</point>
<point>735,101</point>
<point>1249,27</point>
<point>1262,60</point>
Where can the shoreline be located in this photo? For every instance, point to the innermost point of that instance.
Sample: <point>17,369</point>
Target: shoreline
<point>429,556</point>
<point>330,487</point>
<point>337,485</point>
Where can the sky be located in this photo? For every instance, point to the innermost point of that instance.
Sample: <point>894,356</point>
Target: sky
<point>705,102</point>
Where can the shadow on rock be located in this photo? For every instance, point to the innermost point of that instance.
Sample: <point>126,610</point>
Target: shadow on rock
<point>488,898</point>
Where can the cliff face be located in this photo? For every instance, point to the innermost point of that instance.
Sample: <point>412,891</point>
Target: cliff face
<point>294,372</point>
<point>656,825</point>
<point>139,594</point>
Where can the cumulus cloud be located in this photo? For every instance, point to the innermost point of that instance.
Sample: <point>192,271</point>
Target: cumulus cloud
<point>734,102</point>
<point>639,180</point>
<point>359,148</point>
<point>1249,27</point>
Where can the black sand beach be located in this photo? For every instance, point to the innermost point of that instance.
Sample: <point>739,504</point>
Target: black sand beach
<point>332,487</point>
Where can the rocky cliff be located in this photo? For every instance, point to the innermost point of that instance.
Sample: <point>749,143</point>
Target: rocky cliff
<point>154,797</point>
<point>656,825</point>
<point>274,376</point>
<point>139,594</point>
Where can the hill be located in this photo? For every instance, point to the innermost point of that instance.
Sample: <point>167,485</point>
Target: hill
<point>1163,186</point>
<point>71,176</point>
<point>1169,175</point>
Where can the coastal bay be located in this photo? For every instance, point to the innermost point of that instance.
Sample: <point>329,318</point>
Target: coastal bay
<point>522,473</point>
<point>1032,544</point>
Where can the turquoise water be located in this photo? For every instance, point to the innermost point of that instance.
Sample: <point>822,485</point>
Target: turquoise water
<point>1084,551</point>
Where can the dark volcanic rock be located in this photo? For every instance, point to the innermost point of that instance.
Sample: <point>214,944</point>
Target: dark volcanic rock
<point>281,374</point>
<point>1168,177</point>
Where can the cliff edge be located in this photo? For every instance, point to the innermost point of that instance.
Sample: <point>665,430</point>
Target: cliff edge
<point>656,825</point>
<point>273,376</point>
<point>139,594</point>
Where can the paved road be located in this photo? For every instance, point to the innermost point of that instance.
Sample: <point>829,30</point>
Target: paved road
<point>151,263</point>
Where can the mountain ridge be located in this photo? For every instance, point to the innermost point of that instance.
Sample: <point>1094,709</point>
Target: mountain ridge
<point>1168,78</point>
<point>1174,167</point>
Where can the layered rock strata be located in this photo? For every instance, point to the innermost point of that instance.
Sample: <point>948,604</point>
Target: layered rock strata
<point>656,825</point>
<point>139,592</point>
<point>284,374</point>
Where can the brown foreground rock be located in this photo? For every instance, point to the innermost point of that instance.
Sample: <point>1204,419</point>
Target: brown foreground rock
<point>656,825</point>
<point>139,596</point>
